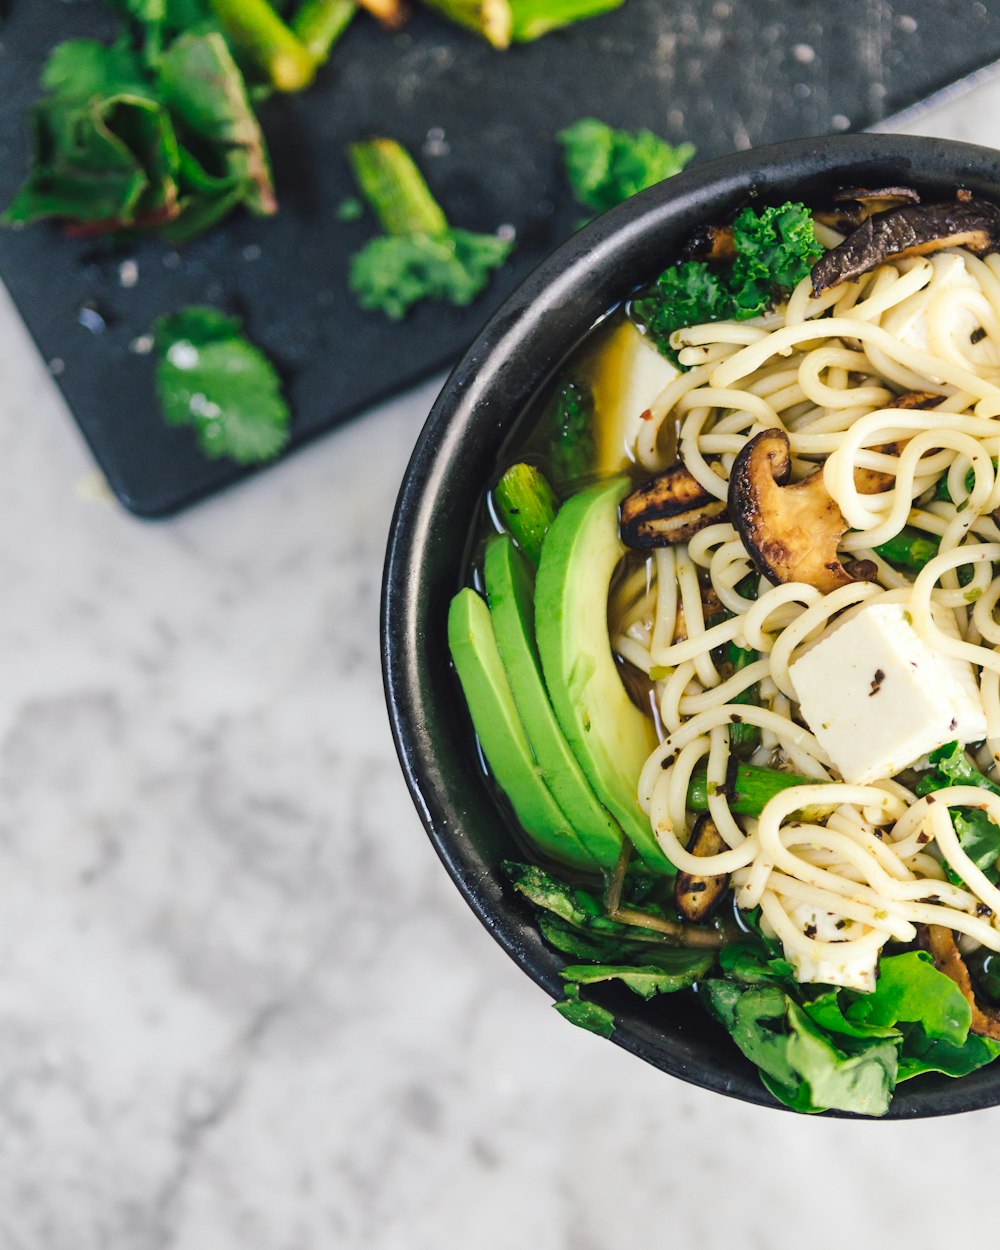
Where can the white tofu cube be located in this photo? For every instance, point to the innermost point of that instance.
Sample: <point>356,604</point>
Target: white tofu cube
<point>629,377</point>
<point>857,972</point>
<point>877,697</point>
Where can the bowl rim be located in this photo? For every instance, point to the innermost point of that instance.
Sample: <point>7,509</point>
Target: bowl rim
<point>465,399</point>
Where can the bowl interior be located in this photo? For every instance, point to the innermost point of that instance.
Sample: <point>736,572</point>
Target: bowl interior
<point>452,464</point>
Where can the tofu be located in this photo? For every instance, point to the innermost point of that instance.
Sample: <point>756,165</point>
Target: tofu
<point>877,697</point>
<point>632,373</point>
<point>857,973</point>
<point>908,320</point>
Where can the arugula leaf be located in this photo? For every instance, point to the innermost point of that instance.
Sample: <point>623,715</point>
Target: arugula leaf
<point>674,970</point>
<point>774,248</point>
<point>208,376</point>
<point>923,1054</point>
<point>605,166</point>
<point>584,1014</point>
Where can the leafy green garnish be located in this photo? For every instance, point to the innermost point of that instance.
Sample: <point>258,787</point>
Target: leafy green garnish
<point>978,836</point>
<point>750,962</point>
<point>571,439</point>
<point>951,766</point>
<point>165,143</point>
<point>798,1063</point>
<point>675,969</point>
<point>922,1054</point>
<point>774,250</point>
<point>210,377</point>
<point>909,990</point>
<point>605,166</point>
<point>584,1014</point>
<point>420,256</point>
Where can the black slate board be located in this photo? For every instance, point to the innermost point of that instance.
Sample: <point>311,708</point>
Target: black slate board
<point>722,73</point>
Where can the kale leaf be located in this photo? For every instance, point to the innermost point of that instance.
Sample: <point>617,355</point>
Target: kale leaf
<point>605,166</point>
<point>420,256</point>
<point>774,249</point>
<point>210,377</point>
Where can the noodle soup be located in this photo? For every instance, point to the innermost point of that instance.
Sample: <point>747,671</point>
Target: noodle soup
<point>729,646</point>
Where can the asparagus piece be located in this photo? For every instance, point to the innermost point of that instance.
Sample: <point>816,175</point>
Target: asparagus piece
<point>749,788</point>
<point>254,27</point>
<point>318,25</point>
<point>527,507</point>
<point>534,18</point>
<point>395,188</point>
<point>493,19</point>
<point>743,739</point>
<point>909,550</point>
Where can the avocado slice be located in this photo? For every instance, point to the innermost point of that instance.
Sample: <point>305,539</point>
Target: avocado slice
<point>501,734</point>
<point>611,738</point>
<point>509,591</point>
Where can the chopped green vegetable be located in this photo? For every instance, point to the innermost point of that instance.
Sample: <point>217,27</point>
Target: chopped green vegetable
<point>256,29</point>
<point>751,962</point>
<point>527,506</point>
<point>534,18</point>
<point>743,739</point>
<point>910,549</point>
<point>420,256</point>
<point>774,247</point>
<point>952,767</point>
<point>675,970</point>
<point>749,788</point>
<point>922,1054</point>
<point>493,19</point>
<point>569,422</point>
<point>318,24</point>
<point>116,136</point>
<point>585,1015</point>
<point>210,377</point>
<point>605,166</point>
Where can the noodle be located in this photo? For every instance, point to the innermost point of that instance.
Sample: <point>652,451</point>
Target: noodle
<point>828,372</point>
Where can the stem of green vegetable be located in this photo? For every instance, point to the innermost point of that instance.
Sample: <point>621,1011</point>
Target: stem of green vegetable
<point>395,188</point>
<point>493,19</point>
<point>534,18</point>
<point>254,26</point>
<point>318,25</point>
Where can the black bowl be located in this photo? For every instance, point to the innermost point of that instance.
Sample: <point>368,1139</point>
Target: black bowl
<point>454,459</point>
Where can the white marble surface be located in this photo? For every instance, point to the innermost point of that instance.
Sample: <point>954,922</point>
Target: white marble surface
<point>241,1006</point>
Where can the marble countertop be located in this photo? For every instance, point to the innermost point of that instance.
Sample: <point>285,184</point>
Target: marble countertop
<point>241,1005</point>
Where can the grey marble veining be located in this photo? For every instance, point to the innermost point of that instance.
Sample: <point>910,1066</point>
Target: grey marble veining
<point>241,1006</point>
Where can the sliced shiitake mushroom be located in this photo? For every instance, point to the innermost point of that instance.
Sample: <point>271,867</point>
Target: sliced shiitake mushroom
<point>948,959</point>
<point>697,897</point>
<point>914,230</point>
<point>790,531</point>
<point>713,243</point>
<point>853,205</point>
<point>670,509</point>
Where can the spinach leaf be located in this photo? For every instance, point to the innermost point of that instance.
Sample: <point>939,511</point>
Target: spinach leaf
<point>673,970</point>
<point>952,767</point>
<point>210,377</point>
<point>754,964</point>
<point>572,904</point>
<point>584,1014</point>
<point>921,1053</point>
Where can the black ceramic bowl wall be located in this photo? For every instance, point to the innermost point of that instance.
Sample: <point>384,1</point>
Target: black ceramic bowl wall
<point>451,467</point>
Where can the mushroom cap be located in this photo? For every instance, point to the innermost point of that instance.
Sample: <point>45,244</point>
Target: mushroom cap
<point>791,532</point>
<point>670,508</point>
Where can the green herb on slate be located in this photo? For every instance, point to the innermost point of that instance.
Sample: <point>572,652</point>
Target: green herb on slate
<point>209,377</point>
<point>420,256</point>
<point>605,166</point>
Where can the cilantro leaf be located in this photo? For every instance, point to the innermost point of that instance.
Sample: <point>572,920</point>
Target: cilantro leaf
<point>394,272</point>
<point>210,377</point>
<point>774,249</point>
<point>605,166</point>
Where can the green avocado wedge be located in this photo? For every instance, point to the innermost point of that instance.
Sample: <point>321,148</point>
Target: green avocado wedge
<point>509,590</point>
<point>611,738</point>
<point>497,723</point>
